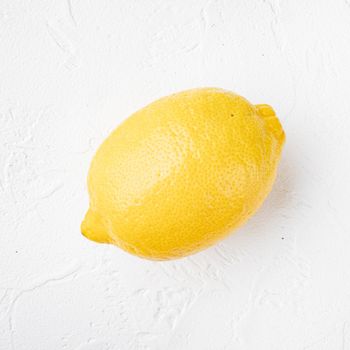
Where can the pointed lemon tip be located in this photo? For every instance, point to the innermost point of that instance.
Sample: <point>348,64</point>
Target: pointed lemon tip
<point>93,228</point>
<point>267,113</point>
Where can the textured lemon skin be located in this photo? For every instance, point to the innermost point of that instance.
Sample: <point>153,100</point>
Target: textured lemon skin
<point>181,173</point>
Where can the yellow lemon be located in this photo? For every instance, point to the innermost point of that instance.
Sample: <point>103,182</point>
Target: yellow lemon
<point>181,173</point>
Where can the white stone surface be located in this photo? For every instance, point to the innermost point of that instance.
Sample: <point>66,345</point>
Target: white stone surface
<point>71,71</point>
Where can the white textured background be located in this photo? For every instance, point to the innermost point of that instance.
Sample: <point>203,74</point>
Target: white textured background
<point>72,70</point>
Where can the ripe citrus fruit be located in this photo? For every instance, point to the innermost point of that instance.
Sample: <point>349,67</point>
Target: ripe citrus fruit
<point>181,173</point>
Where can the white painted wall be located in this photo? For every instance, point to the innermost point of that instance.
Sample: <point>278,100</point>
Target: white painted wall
<point>71,71</point>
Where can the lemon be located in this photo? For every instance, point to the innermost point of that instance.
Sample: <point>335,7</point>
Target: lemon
<point>181,173</point>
